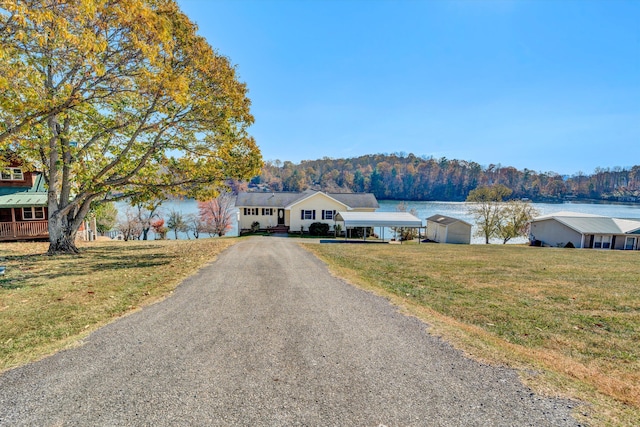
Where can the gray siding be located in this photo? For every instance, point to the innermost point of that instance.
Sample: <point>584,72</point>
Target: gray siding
<point>460,233</point>
<point>435,231</point>
<point>552,233</point>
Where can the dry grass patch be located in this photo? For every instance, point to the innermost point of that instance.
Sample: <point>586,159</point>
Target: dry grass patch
<point>49,302</point>
<point>572,314</point>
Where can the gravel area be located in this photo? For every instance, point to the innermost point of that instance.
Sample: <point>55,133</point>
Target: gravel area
<point>265,336</point>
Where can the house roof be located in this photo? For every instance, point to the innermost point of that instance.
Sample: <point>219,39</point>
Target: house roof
<point>25,199</point>
<point>12,190</point>
<point>309,194</point>
<point>288,199</point>
<point>594,224</point>
<point>39,185</point>
<point>445,220</point>
<point>628,226</point>
<point>269,200</point>
<point>378,219</point>
<point>356,200</point>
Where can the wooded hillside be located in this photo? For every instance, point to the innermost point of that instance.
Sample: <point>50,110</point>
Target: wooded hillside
<point>408,177</point>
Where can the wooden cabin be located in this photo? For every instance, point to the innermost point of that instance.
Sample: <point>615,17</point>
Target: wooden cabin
<point>23,204</point>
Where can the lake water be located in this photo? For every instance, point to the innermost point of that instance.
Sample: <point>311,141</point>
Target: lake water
<point>426,209</point>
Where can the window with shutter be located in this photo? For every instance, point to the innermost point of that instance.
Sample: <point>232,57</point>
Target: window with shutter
<point>328,214</point>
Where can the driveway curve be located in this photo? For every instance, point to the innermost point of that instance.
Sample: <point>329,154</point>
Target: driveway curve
<point>265,336</point>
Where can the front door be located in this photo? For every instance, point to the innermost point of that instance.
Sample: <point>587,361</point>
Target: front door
<point>280,216</point>
<point>630,243</point>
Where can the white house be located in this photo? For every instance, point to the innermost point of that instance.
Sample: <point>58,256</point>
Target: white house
<point>445,229</point>
<point>586,231</point>
<point>286,211</point>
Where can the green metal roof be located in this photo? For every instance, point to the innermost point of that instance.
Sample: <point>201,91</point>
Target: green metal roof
<point>12,190</point>
<point>39,186</point>
<point>25,199</point>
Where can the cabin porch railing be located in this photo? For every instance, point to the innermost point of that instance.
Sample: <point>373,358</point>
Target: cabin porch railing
<point>23,230</point>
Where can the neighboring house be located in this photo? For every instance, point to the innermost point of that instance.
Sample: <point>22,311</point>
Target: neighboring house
<point>585,231</point>
<point>23,204</point>
<point>444,229</point>
<point>286,211</point>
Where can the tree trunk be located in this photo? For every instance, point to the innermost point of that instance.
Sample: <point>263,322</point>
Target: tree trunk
<point>61,237</point>
<point>145,233</point>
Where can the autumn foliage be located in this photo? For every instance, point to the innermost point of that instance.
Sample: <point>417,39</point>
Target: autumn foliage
<point>159,228</point>
<point>118,99</point>
<point>216,214</point>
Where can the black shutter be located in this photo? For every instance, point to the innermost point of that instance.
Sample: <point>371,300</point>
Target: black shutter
<point>314,214</point>
<point>245,211</point>
<point>323,214</point>
<point>302,214</point>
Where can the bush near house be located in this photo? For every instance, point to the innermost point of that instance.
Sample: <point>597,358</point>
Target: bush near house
<point>319,229</point>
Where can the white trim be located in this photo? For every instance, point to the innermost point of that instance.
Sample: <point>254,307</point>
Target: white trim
<point>602,241</point>
<point>633,245</point>
<point>32,209</point>
<point>14,174</point>
<point>313,195</point>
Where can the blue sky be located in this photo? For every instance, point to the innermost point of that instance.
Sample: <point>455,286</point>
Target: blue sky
<point>549,85</point>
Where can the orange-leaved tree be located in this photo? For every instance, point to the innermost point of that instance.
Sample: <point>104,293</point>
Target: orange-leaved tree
<point>217,213</point>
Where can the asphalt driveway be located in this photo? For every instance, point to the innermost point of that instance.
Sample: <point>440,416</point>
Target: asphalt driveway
<point>265,336</point>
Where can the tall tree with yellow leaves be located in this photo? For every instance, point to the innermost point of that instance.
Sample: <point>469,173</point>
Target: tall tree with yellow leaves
<point>118,98</point>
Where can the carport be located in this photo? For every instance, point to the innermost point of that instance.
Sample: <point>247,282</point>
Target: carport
<point>378,219</point>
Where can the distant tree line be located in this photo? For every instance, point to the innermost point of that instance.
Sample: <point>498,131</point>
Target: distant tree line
<point>408,177</point>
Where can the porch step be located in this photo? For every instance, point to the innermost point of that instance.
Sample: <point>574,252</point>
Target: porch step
<point>278,229</point>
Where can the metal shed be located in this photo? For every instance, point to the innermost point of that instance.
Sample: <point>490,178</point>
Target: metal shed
<point>445,229</point>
